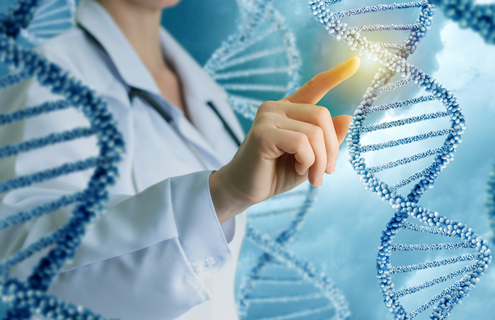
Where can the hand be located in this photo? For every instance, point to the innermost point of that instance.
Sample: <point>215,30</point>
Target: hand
<point>290,141</point>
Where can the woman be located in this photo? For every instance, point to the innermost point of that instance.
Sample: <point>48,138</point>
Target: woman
<point>162,251</point>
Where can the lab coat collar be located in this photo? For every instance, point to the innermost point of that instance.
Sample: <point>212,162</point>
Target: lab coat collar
<point>97,21</point>
<point>196,83</point>
<point>198,87</point>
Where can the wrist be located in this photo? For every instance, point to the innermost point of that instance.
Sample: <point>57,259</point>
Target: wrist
<point>227,204</point>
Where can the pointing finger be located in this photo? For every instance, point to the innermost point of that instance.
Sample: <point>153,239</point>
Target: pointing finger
<point>315,89</point>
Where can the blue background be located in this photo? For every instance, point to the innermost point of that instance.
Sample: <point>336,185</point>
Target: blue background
<point>341,235</point>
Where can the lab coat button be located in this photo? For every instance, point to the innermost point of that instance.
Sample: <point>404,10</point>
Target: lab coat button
<point>209,264</point>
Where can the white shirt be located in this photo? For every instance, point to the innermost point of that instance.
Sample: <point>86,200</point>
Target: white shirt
<point>159,252</point>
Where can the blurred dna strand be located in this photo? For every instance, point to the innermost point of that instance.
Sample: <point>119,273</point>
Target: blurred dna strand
<point>261,62</point>
<point>438,120</point>
<point>281,285</point>
<point>468,14</point>
<point>50,18</point>
<point>29,297</point>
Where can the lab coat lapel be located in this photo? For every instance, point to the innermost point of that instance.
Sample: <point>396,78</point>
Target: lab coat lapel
<point>199,88</point>
<point>95,19</point>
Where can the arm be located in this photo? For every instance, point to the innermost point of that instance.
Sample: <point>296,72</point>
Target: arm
<point>132,263</point>
<point>144,252</point>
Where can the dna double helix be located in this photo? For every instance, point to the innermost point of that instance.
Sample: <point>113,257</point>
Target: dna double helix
<point>29,297</point>
<point>372,122</point>
<point>261,62</point>
<point>281,285</point>
<point>468,14</point>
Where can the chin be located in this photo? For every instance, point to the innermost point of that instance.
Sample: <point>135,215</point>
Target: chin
<point>157,4</point>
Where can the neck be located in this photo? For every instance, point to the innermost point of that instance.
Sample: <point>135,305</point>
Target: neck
<point>141,26</point>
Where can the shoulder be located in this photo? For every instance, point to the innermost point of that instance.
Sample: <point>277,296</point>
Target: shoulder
<point>74,52</point>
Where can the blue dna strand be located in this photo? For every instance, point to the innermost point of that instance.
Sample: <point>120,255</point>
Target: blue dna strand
<point>478,17</point>
<point>27,298</point>
<point>259,62</point>
<point>280,285</point>
<point>51,18</point>
<point>387,117</point>
<point>490,204</point>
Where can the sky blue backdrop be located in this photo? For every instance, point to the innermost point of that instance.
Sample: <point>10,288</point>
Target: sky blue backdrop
<point>342,234</point>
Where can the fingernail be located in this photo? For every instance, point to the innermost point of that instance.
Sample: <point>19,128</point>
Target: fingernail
<point>355,58</point>
<point>331,167</point>
<point>320,182</point>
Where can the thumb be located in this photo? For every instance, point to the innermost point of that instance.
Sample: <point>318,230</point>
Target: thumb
<point>315,89</point>
<point>341,125</point>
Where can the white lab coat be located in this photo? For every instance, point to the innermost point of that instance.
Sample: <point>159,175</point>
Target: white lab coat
<point>159,252</point>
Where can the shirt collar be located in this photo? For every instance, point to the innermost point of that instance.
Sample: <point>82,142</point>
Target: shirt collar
<point>198,87</point>
<point>196,83</point>
<point>94,18</point>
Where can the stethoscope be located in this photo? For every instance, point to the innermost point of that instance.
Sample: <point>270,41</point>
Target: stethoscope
<point>152,102</point>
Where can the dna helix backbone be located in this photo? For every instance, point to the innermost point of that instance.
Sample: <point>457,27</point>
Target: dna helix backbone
<point>245,62</point>
<point>407,206</point>
<point>25,299</point>
<point>50,18</point>
<point>477,17</point>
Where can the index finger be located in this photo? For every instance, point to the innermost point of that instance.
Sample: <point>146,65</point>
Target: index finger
<point>315,89</point>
